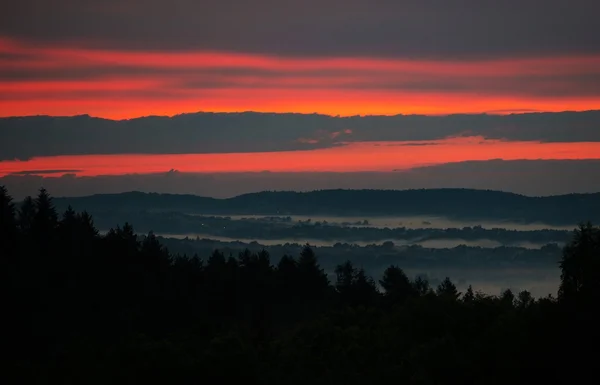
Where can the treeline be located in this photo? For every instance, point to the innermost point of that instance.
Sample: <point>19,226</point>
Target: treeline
<point>181,223</point>
<point>375,258</point>
<point>83,308</point>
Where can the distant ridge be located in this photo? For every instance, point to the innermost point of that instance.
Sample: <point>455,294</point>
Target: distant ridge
<point>450,203</point>
<point>315,114</point>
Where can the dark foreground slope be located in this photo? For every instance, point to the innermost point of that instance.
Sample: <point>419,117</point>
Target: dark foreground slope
<point>81,308</point>
<point>450,203</point>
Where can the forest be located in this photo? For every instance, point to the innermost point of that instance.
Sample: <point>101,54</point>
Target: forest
<point>85,308</point>
<point>277,228</point>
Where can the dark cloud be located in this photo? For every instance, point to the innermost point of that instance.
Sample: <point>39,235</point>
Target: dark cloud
<point>176,81</point>
<point>91,95</point>
<point>100,71</point>
<point>525,177</point>
<point>41,172</point>
<point>409,28</point>
<point>549,86</point>
<point>26,137</point>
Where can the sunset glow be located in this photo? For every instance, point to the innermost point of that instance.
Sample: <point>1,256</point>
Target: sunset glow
<point>120,84</point>
<point>352,157</point>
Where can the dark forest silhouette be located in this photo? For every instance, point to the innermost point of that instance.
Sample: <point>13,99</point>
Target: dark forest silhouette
<point>277,228</point>
<point>84,308</point>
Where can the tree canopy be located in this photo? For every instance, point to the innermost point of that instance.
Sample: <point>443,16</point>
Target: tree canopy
<point>81,307</point>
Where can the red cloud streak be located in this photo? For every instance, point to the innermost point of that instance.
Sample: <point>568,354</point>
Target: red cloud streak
<point>57,80</point>
<point>363,156</point>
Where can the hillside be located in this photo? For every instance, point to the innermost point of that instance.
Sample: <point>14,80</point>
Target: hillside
<point>450,203</point>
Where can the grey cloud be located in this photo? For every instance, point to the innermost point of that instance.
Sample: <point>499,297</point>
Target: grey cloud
<point>176,80</point>
<point>538,86</point>
<point>40,172</point>
<point>535,178</point>
<point>409,28</point>
<point>412,144</point>
<point>66,72</point>
<point>580,85</point>
<point>515,111</point>
<point>93,95</point>
<point>8,58</point>
<point>25,137</point>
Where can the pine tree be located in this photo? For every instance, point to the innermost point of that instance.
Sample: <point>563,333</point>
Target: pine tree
<point>27,213</point>
<point>447,289</point>
<point>580,265</point>
<point>45,222</point>
<point>469,295</point>
<point>421,286</point>
<point>8,225</point>
<point>313,278</point>
<point>396,284</point>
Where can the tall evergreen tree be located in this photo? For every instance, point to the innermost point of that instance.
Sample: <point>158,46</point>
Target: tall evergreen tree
<point>580,265</point>
<point>46,218</point>
<point>396,284</point>
<point>447,289</point>
<point>469,295</point>
<point>8,225</point>
<point>311,274</point>
<point>27,213</point>
<point>421,285</point>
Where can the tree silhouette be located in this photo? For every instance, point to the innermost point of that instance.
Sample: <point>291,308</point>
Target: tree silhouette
<point>156,255</point>
<point>8,226</point>
<point>508,297</point>
<point>524,299</point>
<point>345,274</point>
<point>354,287</point>
<point>469,296</point>
<point>315,281</point>
<point>87,308</point>
<point>580,265</point>
<point>27,213</point>
<point>396,284</point>
<point>447,289</point>
<point>45,220</point>
<point>421,286</point>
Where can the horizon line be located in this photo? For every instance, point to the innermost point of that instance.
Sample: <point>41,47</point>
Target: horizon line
<point>327,190</point>
<point>507,112</point>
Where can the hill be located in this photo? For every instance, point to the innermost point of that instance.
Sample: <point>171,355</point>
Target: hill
<point>450,203</point>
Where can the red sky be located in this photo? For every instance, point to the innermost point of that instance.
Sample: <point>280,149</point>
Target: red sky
<point>120,59</point>
<point>59,80</point>
<point>362,156</point>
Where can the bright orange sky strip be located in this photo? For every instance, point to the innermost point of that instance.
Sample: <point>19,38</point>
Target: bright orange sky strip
<point>363,156</point>
<point>169,83</point>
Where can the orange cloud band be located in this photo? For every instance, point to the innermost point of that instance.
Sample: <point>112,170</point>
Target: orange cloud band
<point>121,84</point>
<point>361,156</point>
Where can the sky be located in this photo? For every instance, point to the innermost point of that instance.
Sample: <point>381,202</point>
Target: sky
<point>361,89</point>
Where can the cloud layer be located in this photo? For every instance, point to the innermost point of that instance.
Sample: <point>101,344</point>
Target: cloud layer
<point>23,138</point>
<point>346,157</point>
<point>404,28</point>
<point>42,74</point>
<point>450,60</point>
